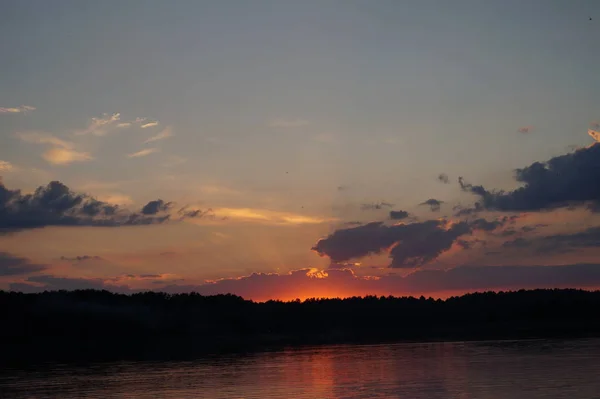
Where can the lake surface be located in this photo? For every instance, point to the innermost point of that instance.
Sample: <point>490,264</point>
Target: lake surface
<point>494,369</point>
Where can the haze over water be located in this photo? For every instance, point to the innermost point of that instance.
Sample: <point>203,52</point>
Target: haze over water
<point>493,369</point>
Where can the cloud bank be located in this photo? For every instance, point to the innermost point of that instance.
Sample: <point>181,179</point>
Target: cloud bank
<point>307,283</point>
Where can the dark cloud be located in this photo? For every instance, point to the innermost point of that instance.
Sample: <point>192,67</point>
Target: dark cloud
<point>486,225</point>
<point>375,206</point>
<point>563,181</point>
<point>154,207</point>
<point>442,177</point>
<point>56,205</point>
<point>81,258</point>
<point>468,244</point>
<point>433,204</point>
<point>186,213</point>
<point>460,210</point>
<point>558,243</point>
<point>589,238</point>
<point>14,266</point>
<point>410,245</point>
<point>398,215</point>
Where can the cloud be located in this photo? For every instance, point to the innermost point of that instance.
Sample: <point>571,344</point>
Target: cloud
<point>53,283</point>
<point>56,205</point>
<point>13,266</point>
<point>44,138</point>
<point>308,283</point>
<point>62,152</point>
<point>165,133</point>
<point>143,153</point>
<point>16,110</point>
<point>442,177</point>
<point>6,166</point>
<point>565,180</point>
<point>81,258</point>
<point>558,243</point>
<point>264,216</point>
<point>124,283</point>
<point>62,156</point>
<point>288,123</point>
<point>525,129</point>
<point>595,134</point>
<point>409,245</point>
<point>154,207</point>
<point>398,215</point>
<point>433,204</point>
<point>375,206</point>
<point>149,124</point>
<point>486,225</point>
<point>137,121</point>
<point>341,282</point>
<point>115,199</point>
<point>100,126</point>
<point>530,228</point>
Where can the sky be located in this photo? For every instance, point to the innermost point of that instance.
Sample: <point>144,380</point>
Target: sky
<point>287,149</point>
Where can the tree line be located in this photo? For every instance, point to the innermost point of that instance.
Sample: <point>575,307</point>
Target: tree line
<point>91,324</point>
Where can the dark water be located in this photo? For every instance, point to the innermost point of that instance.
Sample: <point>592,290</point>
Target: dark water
<point>511,370</point>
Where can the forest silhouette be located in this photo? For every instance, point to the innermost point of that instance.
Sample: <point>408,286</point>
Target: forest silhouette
<point>95,325</point>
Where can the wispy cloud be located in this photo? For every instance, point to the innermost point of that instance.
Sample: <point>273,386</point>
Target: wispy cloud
<point>165,133</point>
<point>44,138</point>
<point>264,216</point>
<point>149,124</point>
<point>143,153</point>
<point>64,156</point>
<point>283,123</point>
<point>16,110</point>
<point>63,152</point>
<point>137,122</point>
<point>100,126</point>
<point>6,166</point>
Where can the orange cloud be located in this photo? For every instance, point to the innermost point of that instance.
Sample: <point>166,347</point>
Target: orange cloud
<point>264,216</point>
<point>16,110</point>
<point>63,156</point>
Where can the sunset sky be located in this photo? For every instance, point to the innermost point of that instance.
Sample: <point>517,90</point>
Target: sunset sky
<point>283,149</point>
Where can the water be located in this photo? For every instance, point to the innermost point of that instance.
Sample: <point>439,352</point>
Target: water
<point>500,369</point>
